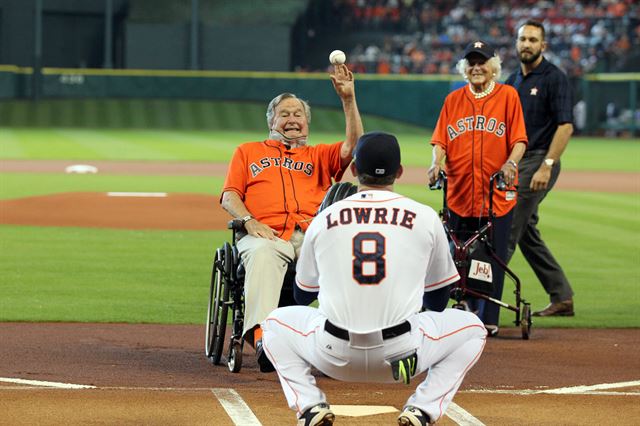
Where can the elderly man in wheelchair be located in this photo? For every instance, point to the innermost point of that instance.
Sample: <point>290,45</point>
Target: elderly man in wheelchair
<point>227,293</point>
<point>273,189</point>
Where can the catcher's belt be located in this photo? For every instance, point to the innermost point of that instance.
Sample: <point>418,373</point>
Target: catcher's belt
<point>387,333</point>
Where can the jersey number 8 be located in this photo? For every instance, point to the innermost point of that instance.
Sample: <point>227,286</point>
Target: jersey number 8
<point>368,252</point>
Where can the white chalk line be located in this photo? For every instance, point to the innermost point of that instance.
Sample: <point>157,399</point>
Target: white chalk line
<point>582,389</point>
<point>240,413</point>
<point>231,401</point>
<point>236,408</point>
<point>45,383</point>
<point>571,390</point>
<point>461,416</point>
<point>599,389</point>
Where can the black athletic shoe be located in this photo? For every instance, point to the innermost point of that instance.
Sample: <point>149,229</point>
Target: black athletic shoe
<point>492,330</point>
<point>263,362</point>
<point>413,416</point>
<point>319,415</point>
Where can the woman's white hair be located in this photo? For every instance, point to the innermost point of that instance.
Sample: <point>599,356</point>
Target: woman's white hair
<point>494,63</point>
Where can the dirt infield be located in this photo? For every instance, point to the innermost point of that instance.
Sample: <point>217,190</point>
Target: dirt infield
<point>568,180</point>
<point>158,374</point>
<point>100,210</point>
<point>189,211</point>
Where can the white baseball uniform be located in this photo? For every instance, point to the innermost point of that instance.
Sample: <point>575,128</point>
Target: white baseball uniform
<point>372,256</point>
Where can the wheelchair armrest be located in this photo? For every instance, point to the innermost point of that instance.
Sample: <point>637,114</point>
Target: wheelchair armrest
<point>235,224</point>
<point>440,183</point>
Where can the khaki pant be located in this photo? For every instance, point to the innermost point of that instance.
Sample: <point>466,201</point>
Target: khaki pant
<point>265,263</point>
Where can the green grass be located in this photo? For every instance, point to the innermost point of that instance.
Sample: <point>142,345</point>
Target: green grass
<point>106,275</point>
<point>15,185</point>
<point>76,274</point>
<point>165,114</point>
<point>595,237</point>
<point>209,146</point>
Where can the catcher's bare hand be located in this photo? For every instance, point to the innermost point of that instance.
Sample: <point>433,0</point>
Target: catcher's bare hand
<point>260,230</point>
<point>540,179</point>
<point>342,80</point>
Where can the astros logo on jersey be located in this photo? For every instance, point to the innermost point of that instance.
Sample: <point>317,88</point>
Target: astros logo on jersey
<point>478,122</point>
<point>287,163</point>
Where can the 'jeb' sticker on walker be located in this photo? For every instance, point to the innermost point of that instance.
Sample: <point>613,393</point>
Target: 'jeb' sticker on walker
<point>510,195</point>
<point>480,271</point>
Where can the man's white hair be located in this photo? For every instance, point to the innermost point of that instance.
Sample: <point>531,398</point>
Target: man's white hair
<point>495,63</point>
<point>271,109</point>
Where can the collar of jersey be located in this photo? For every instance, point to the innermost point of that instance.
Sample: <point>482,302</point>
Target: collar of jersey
<point>377,195</point>
<point>277,144</point>
<point>540,68</point>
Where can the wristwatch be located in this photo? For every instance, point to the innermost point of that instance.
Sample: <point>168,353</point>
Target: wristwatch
<point>246,219</point>
<point>549,161</point>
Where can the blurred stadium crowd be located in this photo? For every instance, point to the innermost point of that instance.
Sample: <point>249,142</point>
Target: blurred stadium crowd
<point>427,37</point>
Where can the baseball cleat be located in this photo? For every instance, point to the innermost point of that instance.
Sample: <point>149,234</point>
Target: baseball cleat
<point>318,415</point>
<point>492,330</point>
<point>413,416</point>
<point>263,362</point>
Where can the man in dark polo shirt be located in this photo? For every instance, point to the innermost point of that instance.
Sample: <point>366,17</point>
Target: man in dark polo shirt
<point>547,105</point>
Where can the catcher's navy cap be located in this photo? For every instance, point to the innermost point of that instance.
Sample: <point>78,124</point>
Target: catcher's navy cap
<point>480,47</point>
<point>377,154</point>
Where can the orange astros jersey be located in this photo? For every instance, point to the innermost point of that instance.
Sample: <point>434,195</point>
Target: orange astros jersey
<point>477,136</point>
<point>283,187</point>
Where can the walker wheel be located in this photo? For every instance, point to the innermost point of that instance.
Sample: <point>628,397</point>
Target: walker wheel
<point>235,357</point>
<point>525,321</point>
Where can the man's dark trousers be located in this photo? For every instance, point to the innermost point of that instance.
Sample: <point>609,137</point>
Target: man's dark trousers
<point>525,234</point>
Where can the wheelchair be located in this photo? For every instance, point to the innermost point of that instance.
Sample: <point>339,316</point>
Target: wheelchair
<point>478,250</point>
<point>226,292</point>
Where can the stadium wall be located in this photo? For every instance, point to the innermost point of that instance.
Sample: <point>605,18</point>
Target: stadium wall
<point>413,99</point>
<point>382,96</point>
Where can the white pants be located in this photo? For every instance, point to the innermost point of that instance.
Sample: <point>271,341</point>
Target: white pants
<point>448,344</point>
<point>265,262</point>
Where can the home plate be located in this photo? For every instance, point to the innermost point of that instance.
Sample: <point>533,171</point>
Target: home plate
<point>362,410</point>
<point>136,194</point>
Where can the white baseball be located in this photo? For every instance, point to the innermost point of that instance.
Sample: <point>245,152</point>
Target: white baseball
<point>337,57</point>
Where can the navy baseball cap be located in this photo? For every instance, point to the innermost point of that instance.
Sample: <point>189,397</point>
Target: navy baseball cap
<point>480,47</point>
<point>377,154</point>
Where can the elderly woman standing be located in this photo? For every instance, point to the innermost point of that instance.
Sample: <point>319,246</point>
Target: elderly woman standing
<point>480,130</point>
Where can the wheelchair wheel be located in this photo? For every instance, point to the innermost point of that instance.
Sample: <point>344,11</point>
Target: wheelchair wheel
<point>235,357</point>
<point>218,306</point>
<point>525,321</point>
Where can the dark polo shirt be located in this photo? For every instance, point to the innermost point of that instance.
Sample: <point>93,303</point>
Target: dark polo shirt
<point>547,101</point>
